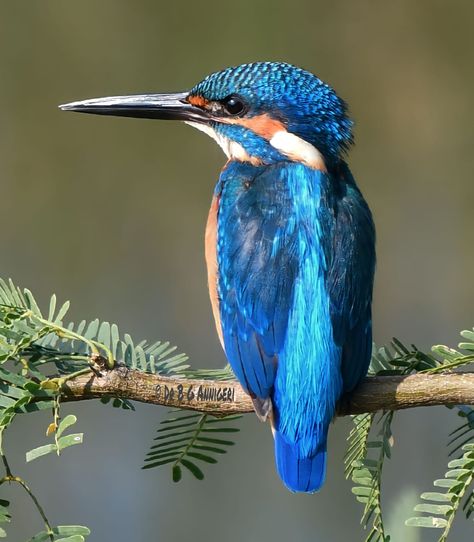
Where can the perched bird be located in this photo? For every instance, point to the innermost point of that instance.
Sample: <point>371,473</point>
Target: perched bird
<point>289,246</point>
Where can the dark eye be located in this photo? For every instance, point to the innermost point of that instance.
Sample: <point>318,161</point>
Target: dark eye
<point>234,105</point>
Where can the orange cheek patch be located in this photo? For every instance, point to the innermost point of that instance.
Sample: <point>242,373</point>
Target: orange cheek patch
<point>198,101</point>
<point>263,125</point>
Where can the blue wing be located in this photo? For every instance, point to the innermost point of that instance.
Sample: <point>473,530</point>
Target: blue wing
<point>296,261</point>
<point>350,278</point>
<point>256,273</point>
<point>259,261</point>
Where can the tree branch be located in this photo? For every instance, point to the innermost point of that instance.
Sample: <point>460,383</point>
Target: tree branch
<point>222,398</point>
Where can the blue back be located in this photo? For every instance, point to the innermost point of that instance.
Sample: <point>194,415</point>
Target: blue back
<point>296,263</point>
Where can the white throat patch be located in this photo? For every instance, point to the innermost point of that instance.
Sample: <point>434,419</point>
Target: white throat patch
<point>233,150</point>
<point>286,143</point>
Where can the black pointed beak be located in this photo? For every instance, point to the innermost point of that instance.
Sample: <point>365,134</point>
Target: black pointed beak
<point>147,106</point>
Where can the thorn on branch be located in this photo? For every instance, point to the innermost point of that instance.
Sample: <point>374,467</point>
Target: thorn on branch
<point>99,365</point>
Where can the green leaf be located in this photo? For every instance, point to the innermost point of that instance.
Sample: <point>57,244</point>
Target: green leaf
<point>468,334</point>
<point>40,537</point>
<point>179,419</point>
<point>462,462</point>
<point>40,451</point>
<point>66,533</point>
<point>194,469</point>
<point>103,335</point>
<point>361,481</point>
<point>4,516</point>
<point>444,482</point>
<point>176,473</point>
<point>63,442</point>
<point>159,463</point>
<point>178,426</point>
<point>71,530</point>
<point>70,440</point>
<point>62,312</point>
<point>173,453</point>
<point>176,433</point>
<point>209,449</point>
<point>215,441</point>
<point>202,457</point>
<point>436,497</point>
<point>32,302</point>
<point>364,461</point>
<point>92,328</point>
<point>222,430</point>
<point>6,402</point>
<point>65,423</point>
<point>211,420</point>
<point>114,339</point>
<point>434,523</point>
<point>12,378</point>
<point>457,473</point>
<point>438,509</point>
<point>180,438</point>
<point>362,491</point>
<point>52,307</point>
<point>371,464</point>
<point>165,443</point>
<point>39,405</point>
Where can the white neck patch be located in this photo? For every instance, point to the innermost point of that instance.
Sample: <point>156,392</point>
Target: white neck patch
<point>298,149</point>
<point>290,145</point>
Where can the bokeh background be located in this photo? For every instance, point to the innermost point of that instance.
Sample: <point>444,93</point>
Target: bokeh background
<point>110,213</point>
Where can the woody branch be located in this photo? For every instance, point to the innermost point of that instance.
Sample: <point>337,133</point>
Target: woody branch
<point>221,398</point>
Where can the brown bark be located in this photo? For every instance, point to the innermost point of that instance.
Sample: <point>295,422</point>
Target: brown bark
<point>222,398</point>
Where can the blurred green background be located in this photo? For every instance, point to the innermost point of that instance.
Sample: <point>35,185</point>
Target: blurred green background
<point>110,213</point>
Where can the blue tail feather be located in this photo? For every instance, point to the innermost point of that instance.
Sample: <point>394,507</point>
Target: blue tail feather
<point>299,474</point>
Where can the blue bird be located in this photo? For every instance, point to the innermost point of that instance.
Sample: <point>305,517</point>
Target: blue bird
<point>290,247</point>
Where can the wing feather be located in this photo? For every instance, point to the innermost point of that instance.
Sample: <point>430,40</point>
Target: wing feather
<point>256,273</point>
<point>350,279</point>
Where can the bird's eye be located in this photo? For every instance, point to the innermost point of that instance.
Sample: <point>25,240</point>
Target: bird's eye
<point>234,105</point>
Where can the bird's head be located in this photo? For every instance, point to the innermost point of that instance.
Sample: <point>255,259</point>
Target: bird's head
<point>262,112</point>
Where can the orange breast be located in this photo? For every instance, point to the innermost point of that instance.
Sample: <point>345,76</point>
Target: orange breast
<point>211,262</point>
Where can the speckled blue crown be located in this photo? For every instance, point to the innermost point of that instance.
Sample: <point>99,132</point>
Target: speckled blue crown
<point>310,108</point>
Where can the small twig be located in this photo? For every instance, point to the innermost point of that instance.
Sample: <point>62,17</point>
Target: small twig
<point>23,484</point>
<point>9,477</point>
<point>190,444</point>
<point>6,465</point>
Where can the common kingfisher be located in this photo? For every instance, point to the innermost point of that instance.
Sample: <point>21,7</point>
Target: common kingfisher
<point>289,246</point>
